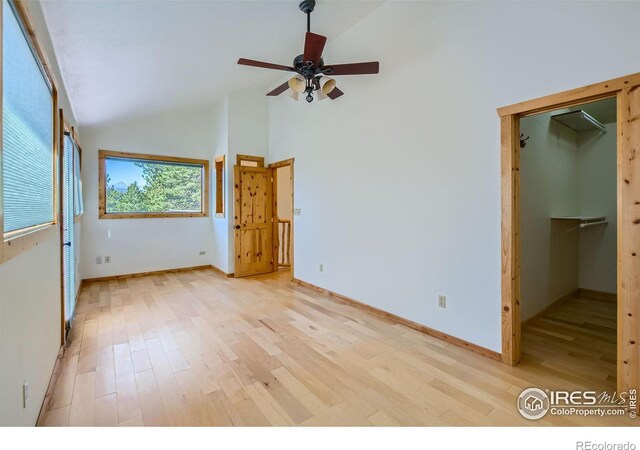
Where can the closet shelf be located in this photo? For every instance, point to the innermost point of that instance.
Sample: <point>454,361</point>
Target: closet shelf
<point>584,221</point>
<point>579,121</point>
<point>580,218</point>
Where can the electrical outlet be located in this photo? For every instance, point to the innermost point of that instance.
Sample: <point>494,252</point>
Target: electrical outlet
<point>25,393</point>
<point>107,259</point>
<point>202,252</point>
<point>442,301</point>
<point>321,267</point>
<point>99,260</point>
<point>297,211</point>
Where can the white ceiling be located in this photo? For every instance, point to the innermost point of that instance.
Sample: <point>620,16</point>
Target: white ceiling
<point>121,59</point>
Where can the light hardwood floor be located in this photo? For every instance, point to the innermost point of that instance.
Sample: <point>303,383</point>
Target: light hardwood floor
<point>195,348</point>
<point>575,338</point>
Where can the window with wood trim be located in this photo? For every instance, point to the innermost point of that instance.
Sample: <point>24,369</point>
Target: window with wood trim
<point>219,166</point>
<point>140,186</point>
<point>28,121</point>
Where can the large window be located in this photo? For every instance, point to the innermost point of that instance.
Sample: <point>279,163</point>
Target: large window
<point>147,186</point>
<point>27,140</point>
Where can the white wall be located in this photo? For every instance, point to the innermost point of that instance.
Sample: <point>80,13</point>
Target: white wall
<point>142,245</point>
<point>30,311</point>
<point>597,196</point>
<point>399,180</point>
<point>220,136</point>
<point>247,134</point>
<point>548,188</point>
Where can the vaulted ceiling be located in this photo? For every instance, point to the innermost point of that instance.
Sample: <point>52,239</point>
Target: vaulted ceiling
<point>121,59</point>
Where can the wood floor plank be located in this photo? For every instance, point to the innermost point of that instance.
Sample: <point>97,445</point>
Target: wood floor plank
<point>105,412</point>
<point>63,392</point>
<point>57,417</point>
<point>198,349</point>
<point>82,405</point>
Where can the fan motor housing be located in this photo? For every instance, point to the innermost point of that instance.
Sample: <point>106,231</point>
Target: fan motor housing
<point>307,6</point>
<point>302,69</point>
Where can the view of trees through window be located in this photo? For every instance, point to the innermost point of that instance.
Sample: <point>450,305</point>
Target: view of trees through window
<point>141,186</point>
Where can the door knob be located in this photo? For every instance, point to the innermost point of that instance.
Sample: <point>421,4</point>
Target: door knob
<point>237,227</point>
<point>68,244</point>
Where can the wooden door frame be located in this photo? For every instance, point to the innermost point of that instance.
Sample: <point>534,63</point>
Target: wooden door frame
<point>627,93</point>
<point>276,239</point>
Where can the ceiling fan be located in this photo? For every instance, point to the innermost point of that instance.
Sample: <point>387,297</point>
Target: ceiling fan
<point>312,75</point>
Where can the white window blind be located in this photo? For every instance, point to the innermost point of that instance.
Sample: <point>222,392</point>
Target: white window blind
<point>68,207</point>
<point>27,118</point>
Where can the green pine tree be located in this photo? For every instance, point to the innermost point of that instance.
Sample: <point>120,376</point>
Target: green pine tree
<point>167,188</point>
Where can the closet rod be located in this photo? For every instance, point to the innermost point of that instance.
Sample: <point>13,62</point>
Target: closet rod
<point>590,224</point>
<point>586,224</point>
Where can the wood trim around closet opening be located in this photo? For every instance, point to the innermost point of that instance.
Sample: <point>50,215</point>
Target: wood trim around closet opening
<point>626,90</point>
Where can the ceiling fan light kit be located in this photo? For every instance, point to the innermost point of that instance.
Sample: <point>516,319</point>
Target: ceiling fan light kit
<point>297,84</point>
<point>327,85</point>
<point>312,75</point>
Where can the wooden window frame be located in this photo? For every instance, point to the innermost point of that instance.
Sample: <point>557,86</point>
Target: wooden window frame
<point>626,91</point>
<point>220,182</point>
<point>259,160</point>
<point>102,188</point>
<point>19,241</point>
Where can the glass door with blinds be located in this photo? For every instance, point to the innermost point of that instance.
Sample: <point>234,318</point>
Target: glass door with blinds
<point>68,247</point>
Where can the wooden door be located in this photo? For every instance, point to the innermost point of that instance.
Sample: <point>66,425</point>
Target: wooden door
<point>253,220</point>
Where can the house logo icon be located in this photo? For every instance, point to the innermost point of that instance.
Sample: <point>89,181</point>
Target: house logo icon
<point>533,403</point>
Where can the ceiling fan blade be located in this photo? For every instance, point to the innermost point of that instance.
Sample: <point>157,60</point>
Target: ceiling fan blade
<point>335,93</point>
<point>364,68</point>
<point>279,90</point>
<point>264,65</point>
<point>313,47</point>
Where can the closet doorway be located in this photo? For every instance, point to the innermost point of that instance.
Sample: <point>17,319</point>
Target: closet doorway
<point>578,226</point>
<point>568,242</point>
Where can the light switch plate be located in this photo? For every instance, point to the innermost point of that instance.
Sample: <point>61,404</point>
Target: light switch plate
<point>296,211</point>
